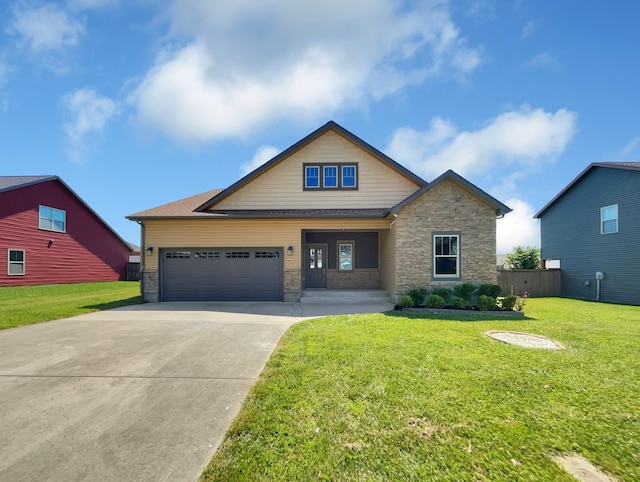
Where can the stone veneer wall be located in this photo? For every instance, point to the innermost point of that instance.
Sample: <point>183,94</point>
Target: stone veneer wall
<point>292,285</point>
<point>358,279</point>
<point>150,286</point>
<point>447,207</point>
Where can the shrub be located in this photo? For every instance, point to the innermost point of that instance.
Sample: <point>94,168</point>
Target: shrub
<point>406,302</point>
<point>418,295</point>
<point>435,301</point>
<point>459,303</point>
<point>486,303</point>
<point>489,290</point>
<point>520,303</point>
<point>442,292</point>
<point>464,291</point>
<point>508,302</point>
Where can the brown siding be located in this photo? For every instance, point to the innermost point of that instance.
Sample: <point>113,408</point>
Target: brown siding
<point>87,252</point>
<point>281,187</point>
<point>447,207</point>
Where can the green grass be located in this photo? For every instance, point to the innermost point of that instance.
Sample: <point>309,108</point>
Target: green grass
<point>379,397</point>
<point>24,305</point>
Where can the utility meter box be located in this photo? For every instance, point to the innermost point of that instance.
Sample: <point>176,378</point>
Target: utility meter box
<point>599,274</point>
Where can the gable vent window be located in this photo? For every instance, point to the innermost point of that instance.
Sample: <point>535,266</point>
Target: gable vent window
<point>609,219</point>
<point>318,177</point>
<point>52,219</point>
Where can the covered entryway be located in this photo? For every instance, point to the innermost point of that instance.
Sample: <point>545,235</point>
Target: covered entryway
<point>221,274</point>
<point>341,259</point>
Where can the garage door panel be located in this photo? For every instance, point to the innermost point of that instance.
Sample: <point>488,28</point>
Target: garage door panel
<point>214,274</point>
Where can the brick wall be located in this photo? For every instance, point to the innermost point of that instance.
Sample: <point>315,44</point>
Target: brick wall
<point>447,207</point>
<point>150,286</point>
<point>292,285</point>
<point>357,279</point>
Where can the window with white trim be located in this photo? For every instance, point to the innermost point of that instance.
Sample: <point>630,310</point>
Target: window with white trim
<point>330,176</point>
<point>345,256</point>
<point>609,219</point>
<point>52,219</point>
<point>349,176</point>
<point>446,256</point>
<point>312,177</point>
<point>15,265</point>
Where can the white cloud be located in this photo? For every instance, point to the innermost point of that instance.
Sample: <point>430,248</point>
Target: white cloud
<point>45,27</point>
<point>528,29</point>
<point>518,228</point>
<point>631,146</point>
<point>521,139</point>
<point>262,155</point>
<point>89,113</point>
<point>543,60</point>
<point>236,68</point>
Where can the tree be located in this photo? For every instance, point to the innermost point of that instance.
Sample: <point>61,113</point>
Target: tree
<point>524,258</point>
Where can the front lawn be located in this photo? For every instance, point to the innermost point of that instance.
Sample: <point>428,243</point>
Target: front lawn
<point>382,397</point>
<point>24,305</point>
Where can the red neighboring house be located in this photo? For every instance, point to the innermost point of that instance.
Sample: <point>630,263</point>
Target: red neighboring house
<point>48,235</point>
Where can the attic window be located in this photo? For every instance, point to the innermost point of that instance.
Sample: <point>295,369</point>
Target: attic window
<point>330,176</point>
<point>52,219</point>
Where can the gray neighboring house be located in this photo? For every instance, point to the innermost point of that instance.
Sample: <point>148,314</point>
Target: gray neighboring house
<point>593,228</point>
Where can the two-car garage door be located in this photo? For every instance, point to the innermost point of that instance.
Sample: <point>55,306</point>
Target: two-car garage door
<point>221,274</point>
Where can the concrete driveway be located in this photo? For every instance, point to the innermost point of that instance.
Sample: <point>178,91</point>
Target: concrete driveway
<point>138,393</point>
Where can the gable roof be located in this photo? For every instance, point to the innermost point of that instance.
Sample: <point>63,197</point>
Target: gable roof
<point>501,209</point>
<point>8,183</point>
<point>629,166</point>
<point>331,125</point>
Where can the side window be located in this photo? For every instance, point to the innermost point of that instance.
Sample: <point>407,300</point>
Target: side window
<point>52,219</point>
<point>349,177</point>
<point>312,176</point>
<point>16,262</point>
<point>446,256</point>
<point>609,219</point>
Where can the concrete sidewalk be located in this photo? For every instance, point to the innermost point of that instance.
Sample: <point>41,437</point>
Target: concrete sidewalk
<point>144,392</point>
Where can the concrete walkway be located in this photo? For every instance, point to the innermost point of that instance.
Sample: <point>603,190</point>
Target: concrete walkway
<point>138,393</point>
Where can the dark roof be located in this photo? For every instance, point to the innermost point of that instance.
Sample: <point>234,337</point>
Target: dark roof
<point>629,166</point>
<point>12,182</point>
<point>7,183</point>
<point>331,125</point>
<point>299,213</point>
<point>501,209</point>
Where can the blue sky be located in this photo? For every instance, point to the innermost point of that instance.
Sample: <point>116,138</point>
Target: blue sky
<point>137,103</point>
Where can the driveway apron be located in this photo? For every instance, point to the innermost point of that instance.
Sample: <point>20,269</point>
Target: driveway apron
<point>140,393</point>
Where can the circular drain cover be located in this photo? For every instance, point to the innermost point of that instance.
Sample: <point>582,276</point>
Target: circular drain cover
<point>526,340</point>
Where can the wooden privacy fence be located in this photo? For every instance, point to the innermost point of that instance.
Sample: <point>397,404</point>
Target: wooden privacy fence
<point>535,282</point>
<point>133,271</point>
